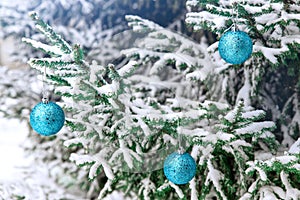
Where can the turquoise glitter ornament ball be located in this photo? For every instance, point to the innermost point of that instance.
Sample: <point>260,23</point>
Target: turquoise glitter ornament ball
<point>47,118</point>
<point>179,168</point>
<point>235,47</point>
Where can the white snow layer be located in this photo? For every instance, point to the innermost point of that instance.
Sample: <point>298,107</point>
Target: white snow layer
<point>255,127</point>
<point>97,160</point>
<point>38,45</point>
<point>295,148</point>
<point>214,176</point>
<point>253,114</point>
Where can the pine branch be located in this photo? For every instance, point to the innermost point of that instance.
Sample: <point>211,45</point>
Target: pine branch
<point>47,30</point>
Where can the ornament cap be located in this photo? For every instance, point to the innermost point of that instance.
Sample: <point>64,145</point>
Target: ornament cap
<point>181,150</point>
<point>234,27</point>
<point>45,100</point>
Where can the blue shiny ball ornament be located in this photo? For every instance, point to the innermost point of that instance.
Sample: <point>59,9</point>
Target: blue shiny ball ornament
<point>179,168</point>
<point>47,118</point>
<point>235,47</point>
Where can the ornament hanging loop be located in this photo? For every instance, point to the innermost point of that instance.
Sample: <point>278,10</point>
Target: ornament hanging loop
<point>45,98</point>
<point>180,138</point>
<point>234,26</point>
<point>235,16</point>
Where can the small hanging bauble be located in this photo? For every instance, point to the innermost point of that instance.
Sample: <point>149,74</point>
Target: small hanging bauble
<point>235,47</point>
<point>179,168</point>
<point>47,118</point>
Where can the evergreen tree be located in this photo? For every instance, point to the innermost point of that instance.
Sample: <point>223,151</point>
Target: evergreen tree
<point>101,27</point>
<point>273,67</point>
<point>121,121</point>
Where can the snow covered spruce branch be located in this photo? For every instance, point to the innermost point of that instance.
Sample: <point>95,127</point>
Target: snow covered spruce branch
<point>164,48</point>
<point>113,127</point>
<point>274,29</point>
<point>273,24</point>
<point>122,121</point>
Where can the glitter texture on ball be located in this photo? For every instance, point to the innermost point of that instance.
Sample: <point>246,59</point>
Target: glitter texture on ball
<point>235,47</point>
<point>47,118</point>
<point>179,168</point>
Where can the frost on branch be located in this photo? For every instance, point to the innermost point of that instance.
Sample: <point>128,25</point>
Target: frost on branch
<point>274,29</point>
<point>229,147</point>
<point>165,48</point>
<point>96,161</point>
<point>67,71</point>
<point>122,120</point>
<point>287,170</point>
<point>112,127</point>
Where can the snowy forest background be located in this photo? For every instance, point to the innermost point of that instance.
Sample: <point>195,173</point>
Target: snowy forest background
<point>195,82</point>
